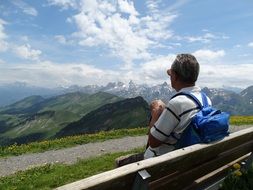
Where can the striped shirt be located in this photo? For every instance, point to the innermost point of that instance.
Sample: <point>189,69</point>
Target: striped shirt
<point>173,120</point>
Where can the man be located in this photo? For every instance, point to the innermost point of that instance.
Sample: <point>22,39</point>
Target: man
<point>169,122</point>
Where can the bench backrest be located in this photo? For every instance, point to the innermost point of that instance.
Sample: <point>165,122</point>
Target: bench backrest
<point>178,169</point>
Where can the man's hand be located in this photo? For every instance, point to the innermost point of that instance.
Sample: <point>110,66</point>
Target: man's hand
<point>156,107</point>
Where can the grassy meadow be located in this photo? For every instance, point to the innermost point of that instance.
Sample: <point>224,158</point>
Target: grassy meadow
<point>71,141</point>
<point>51,176</point>
<point>241,120</point>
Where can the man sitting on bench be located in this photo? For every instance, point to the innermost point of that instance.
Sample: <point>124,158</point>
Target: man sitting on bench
<point>169,121</point>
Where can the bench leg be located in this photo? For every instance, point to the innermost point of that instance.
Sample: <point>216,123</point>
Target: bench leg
<point>141,180</point>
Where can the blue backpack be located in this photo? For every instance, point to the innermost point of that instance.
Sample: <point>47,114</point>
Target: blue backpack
<point>208,125</point>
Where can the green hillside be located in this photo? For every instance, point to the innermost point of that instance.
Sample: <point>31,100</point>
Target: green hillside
<point>28,120</point>
<point>128,113</point>
<point>26,103</point>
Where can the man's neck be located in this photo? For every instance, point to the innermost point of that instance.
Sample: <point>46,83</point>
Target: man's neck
<point>183,85</point>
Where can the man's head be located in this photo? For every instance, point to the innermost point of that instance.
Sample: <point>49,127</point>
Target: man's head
<point>184,71</point>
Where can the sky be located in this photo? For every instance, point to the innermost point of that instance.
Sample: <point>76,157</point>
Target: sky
<point>52,43</point>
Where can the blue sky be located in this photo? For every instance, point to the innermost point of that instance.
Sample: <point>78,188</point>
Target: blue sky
<point>54,43</point>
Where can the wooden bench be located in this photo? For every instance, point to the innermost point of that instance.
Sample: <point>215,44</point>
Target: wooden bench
<point>193,167</point>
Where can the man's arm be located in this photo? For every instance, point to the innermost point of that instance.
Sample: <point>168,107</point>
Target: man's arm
<point>153,142</point>
<point>157,108</point>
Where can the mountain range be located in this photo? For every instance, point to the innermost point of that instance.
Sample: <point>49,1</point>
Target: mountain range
<point>76,110</point>
<point>233,102</point>
<point>11,93</point>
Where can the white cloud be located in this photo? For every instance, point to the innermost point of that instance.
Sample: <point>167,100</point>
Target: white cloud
<point>3,36</point>
<point>24,38</point>
<point>52,74</point>
<point>118,26</point>
<point>153,5</point>
<point>207,56</point>
<point>237,46</point>
<point>61,39</point>
<point>205,38</point>
<point>177,5</point>
<point>2,33</point>
<point>250,44</point>
<point>26,52</point>
<point>64,4</point>
<point>127,7</point>
<point>3,45</point>
<point>26,8</point>
<point>156,69</point>
<point>152,72</point>
<point>244,55</point>
<point>218,75</point>
<point>211,75</point>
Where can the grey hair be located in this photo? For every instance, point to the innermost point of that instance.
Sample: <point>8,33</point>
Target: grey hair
<point>186,67</point>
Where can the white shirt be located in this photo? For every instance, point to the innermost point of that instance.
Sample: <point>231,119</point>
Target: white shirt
<point>174,119</point>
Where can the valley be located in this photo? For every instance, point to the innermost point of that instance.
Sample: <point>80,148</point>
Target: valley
<point>90,109</point>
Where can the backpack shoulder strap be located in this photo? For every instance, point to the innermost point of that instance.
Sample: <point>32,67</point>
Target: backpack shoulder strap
<point>192,97</point>
<point>204,99</point>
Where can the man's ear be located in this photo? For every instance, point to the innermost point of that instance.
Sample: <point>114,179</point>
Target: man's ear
<point>176,77</point>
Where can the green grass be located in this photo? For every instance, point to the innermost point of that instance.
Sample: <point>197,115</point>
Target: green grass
<point>52,176</point>
<point>71,141</point>
<point>244,181</point>
<point>241,120</point>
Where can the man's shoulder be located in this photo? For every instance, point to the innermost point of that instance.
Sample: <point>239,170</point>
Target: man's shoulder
<point>180,98</point>
<point>191,89</point>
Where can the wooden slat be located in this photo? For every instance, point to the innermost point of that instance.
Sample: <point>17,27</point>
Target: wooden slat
<point>175,182</point>
<point>179,160</point>
<point>197,154</point>
<point>215,175</point>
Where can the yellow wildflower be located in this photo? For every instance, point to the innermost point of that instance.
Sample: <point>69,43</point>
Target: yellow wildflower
<point>238,173</point>
<point>237,166</point>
